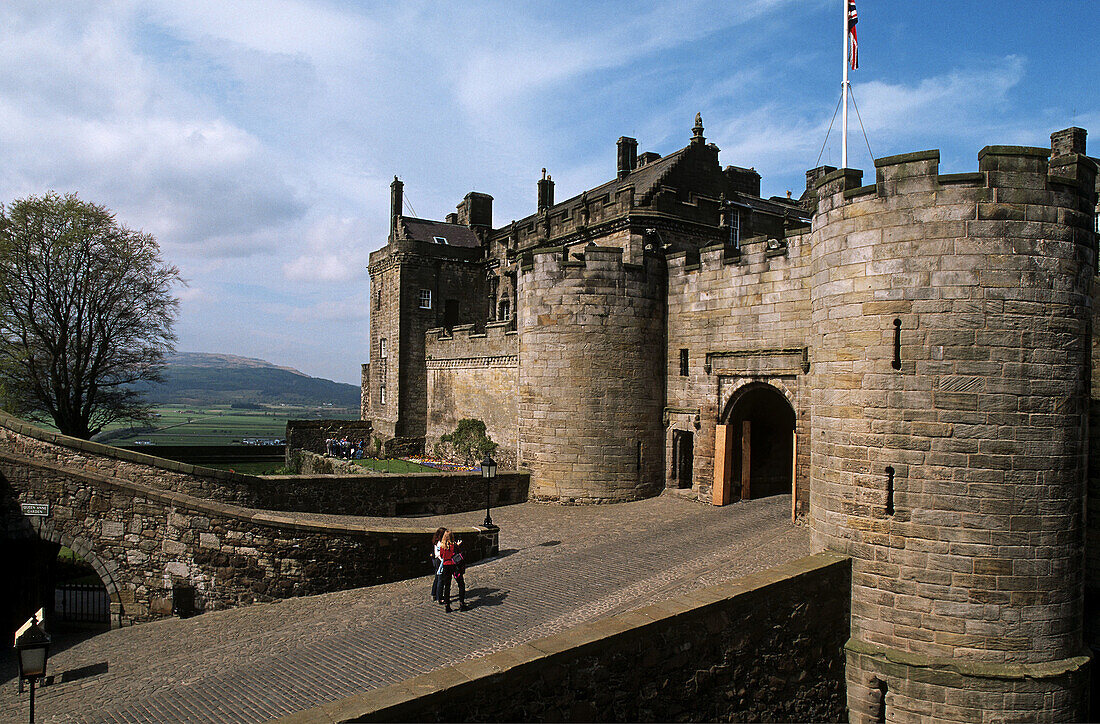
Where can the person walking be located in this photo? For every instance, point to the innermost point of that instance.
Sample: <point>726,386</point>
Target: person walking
<point>452,568</point>
<point>437,566</point>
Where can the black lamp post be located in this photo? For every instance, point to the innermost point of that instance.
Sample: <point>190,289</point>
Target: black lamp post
<point>488,471</point>
<point>32,648</point>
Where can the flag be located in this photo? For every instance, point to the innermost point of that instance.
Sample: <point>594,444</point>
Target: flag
<point>853,18</point>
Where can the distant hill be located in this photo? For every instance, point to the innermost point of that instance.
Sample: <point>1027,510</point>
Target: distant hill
<point>192,378</point>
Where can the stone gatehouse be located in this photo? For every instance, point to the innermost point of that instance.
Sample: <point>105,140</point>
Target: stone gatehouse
<point>909,359</point>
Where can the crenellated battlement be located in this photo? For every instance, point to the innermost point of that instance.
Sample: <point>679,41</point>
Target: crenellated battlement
<point>466,345</point>
<point>752,254</point>
<point>556,265</point>
<point>1013,183</point>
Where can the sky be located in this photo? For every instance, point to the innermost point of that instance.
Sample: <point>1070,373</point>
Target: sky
<point>256,139</point>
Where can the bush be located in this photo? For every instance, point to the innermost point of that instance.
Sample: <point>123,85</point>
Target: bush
<point>468,443</point>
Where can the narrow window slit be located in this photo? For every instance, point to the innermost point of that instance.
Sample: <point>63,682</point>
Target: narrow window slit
<point>889,490</point>
<point>897,344</point>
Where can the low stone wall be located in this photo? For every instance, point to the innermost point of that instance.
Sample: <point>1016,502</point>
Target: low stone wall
<point>767,647</point>
<point>144,542</point>
<point>149,525</point>
<point>311,434</point>
<point>376,494</point>
<point>329,484</point>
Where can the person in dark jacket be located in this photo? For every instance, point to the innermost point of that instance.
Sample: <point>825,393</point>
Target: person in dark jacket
<point>437,567</point>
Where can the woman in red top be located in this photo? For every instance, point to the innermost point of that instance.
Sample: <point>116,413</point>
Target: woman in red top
<point>452,568</point>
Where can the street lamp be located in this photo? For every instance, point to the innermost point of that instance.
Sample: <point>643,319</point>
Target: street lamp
<point>488,471</point>
<point>32,648</point>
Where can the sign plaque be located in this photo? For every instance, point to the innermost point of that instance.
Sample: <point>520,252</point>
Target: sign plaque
<point>41,510</point>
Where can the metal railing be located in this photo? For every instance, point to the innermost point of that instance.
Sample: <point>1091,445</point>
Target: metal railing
<point>82,602</point>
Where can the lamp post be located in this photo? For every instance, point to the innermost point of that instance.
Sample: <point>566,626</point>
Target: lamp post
<point>32,648</point>
<point>488,471</point>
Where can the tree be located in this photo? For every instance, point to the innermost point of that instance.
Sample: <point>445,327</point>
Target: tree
<point>86,313</point>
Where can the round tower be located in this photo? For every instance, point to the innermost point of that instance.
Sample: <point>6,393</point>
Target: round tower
<point>591,384</point>
<point>949,396</point>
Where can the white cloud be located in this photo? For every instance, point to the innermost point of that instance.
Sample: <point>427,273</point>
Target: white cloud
<point>354,311</point>
<point>91,115</point>
<point>334,252</point>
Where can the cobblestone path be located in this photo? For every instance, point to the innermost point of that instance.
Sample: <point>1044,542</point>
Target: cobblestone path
<point>559,566</point>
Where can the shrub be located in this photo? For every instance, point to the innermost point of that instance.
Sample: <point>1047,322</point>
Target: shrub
<point>469,443</point>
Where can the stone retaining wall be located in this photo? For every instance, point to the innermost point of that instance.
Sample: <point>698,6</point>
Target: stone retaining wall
<point>145,531</point>
<point>144,542</point>
<point>311,434</point>
<point>767,647</point>
<point>328,484</point>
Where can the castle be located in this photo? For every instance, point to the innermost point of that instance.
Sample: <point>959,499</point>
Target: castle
<point>910,360</point>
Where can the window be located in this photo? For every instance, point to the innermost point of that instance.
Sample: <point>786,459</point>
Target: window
<point>683,363</point>
<point>505,310</point>
<point>378,297</point>
<point>381,348</point>
<point>425,298</point>
<point>440,239</point>
<point>382,395</point>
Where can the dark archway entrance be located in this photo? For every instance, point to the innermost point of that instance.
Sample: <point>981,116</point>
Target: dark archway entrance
<point>758,459</point>
<point>44,574</point>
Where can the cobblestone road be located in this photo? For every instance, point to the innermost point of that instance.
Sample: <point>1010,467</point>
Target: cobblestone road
<point>559,566</point>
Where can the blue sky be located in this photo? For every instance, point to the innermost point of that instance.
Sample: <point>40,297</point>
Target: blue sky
<point>257,139</point>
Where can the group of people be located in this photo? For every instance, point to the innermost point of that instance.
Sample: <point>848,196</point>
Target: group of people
<point>344,448</point>
<point>448,564</point>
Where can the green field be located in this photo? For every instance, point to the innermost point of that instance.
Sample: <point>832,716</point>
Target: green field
<point>218,424</point>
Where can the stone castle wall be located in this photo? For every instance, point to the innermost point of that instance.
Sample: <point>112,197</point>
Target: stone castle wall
<point>951,320</point>
<point>591,379</point>
<point>739,316</point>
<point>475,375</point>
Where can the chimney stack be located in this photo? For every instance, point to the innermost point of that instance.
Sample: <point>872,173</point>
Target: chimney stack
<point>628,155</point>
<point>546,192</point>
<point>1067,141</point>
<point>396,200</point>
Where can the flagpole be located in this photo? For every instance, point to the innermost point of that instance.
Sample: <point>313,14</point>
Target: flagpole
<point>844,114</point>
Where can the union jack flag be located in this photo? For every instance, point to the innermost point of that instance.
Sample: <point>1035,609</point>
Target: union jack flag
<point>853,18</point>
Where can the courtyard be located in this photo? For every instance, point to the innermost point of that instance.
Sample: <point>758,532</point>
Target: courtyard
<point>559,566</point>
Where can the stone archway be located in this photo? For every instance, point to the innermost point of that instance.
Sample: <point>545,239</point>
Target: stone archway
<point>755,445</point>
<point>47,532</point>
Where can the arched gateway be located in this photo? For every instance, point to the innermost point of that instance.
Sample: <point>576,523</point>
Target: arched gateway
<point>755,450</point>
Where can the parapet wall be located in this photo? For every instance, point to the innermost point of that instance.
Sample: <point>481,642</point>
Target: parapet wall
<point>328,484</point>
<point>474,374</point>
<point>762,648</point>
<point>951,333</point>
<point>147,535</point>
<point>591,379</point>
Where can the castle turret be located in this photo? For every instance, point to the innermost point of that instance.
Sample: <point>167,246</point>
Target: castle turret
<point>591,383</point>
<point>951,321</point>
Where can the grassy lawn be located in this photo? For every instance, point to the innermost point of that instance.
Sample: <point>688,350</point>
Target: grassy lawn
<point>394,466</point>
